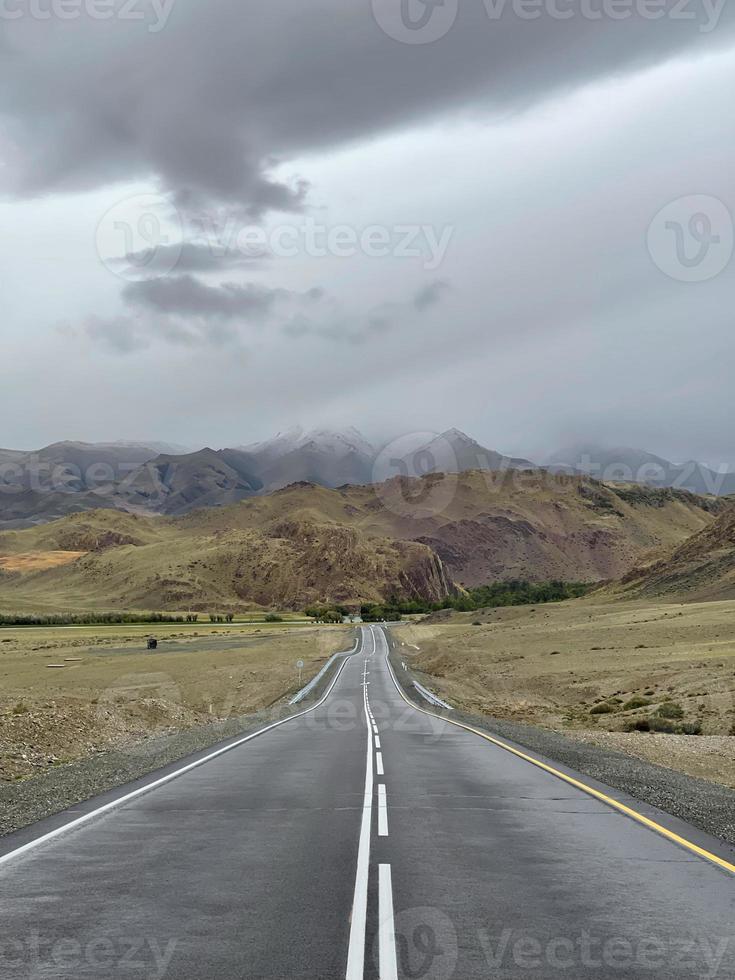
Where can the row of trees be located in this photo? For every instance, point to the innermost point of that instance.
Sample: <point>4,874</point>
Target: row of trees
<point>515,592</point>
<point>91,619</point>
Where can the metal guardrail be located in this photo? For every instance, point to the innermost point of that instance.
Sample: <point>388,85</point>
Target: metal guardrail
<point>313,683</point>
<point>431,698</point>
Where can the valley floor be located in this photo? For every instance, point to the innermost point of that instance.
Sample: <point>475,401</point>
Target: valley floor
<point>71,693</point>
<point>591,669</point>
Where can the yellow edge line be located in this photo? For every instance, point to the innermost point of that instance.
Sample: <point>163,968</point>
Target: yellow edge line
<point>621,807</point>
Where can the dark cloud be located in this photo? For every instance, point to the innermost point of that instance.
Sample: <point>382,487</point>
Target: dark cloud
<point>184,311</point>
<point>186,296</point>
<point>221,92</point>
<point>430,295</point>
<point>186,258</point>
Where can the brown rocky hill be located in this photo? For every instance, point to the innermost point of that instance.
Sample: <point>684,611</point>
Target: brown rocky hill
<point>701,569</point>
<point>488,526</point>
<point>135,562</point>
<point>414,538</point>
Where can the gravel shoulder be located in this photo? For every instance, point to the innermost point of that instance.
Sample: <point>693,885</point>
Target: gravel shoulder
<point>706,805</point>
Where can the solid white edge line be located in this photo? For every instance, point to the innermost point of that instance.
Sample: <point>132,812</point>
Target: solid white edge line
<point>149,787</point>
<point>358,926</point>
<point>379,763</point>
<point>387,931</point>
<point>382,812</point>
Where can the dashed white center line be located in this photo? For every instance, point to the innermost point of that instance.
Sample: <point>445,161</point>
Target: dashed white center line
<point>388,960</point>
<point>382,812</point>
<point>379,763</point>
<point>377,741</point>
<point>356,953</point>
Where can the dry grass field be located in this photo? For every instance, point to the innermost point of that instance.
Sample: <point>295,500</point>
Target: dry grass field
<point>595,669</point>
<point>69,692</point>
<point>39,561</point>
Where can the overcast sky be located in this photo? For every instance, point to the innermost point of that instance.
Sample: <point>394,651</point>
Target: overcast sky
<point>225,218</point>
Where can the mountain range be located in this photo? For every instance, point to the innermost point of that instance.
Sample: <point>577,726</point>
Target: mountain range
<point>155,478</point>
<point>416,538</point>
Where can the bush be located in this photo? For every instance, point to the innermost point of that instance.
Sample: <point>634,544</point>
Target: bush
<point>602,709</point>
<point>639,725</point>
<point>273,618</point>
<point>692,728</point>
<point>636,702</point>
<point>663,726</point>
<point>670,709</point>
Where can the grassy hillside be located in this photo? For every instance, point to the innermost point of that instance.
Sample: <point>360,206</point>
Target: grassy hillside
<point>702,568</point>
<point>148,563</point>
<point>309,544</point>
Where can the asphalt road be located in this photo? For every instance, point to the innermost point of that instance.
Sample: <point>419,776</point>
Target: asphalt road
<point>365,839</point>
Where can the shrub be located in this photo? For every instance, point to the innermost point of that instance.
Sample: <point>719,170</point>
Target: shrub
<point>639,725</point>
<point>636,702</point>
<point>602,709</point>
<point>663,726</point>
<point>692,728</point>
<point>273,618</point>
<point>670,709</point>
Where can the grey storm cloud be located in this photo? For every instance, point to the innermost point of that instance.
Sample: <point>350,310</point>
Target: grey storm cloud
<point>128,334</point>
<point>188,297</point>
<point>548,147</point>
<point>187,257</point>
<point>213,98</point>
<point>183,311</point>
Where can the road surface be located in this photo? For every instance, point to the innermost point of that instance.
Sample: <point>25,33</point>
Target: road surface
<point>364,839</point>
